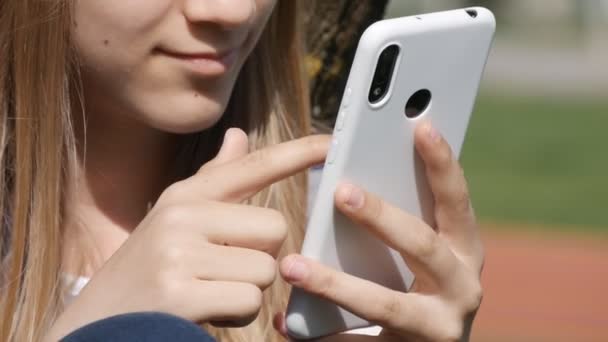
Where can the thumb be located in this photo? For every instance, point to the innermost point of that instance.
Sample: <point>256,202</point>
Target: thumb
<point>234,146</point>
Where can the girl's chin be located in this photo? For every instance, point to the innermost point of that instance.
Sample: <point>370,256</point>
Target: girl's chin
<point>182,113</point>
<point>187,125</point>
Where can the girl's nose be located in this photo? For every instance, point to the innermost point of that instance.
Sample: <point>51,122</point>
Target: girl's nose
<point>225,13</point>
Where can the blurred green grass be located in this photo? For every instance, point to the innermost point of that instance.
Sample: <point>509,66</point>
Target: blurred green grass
<point>540,161</point>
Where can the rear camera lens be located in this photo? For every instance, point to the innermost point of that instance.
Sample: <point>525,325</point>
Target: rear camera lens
<point>383,74</point>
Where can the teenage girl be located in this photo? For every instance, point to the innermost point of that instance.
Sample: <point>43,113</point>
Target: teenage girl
<point>155,149</point>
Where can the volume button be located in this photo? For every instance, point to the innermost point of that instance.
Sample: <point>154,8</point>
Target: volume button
<point>347,95</point>
<point>340,120</point>
<point>331,155</point>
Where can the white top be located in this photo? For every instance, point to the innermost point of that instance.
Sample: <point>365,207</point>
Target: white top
<point>73,286</point>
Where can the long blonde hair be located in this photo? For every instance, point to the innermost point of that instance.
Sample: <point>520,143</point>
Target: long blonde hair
<point>39,87</point>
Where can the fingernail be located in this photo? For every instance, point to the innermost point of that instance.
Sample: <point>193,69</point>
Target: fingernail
<point>297,271</point>
<point>355,197</point>
<point>433,133</point>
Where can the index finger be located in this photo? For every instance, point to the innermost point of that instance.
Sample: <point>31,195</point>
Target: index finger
<point>242,178</point>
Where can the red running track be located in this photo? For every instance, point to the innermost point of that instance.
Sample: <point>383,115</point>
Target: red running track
<point>543,287</point>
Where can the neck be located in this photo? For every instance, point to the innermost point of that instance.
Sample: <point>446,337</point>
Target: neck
<point>126,166</point>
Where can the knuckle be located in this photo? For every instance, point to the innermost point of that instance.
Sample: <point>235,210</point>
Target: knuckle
<point>278,228</point>
<point>273,231</point>
<point>443,157</point>
<point>172,257</point>
<point>318,144</point>
<point>251,300</point>
<point>173,215</point>
<point>472,300</point>
<point>391,311</point>
<point>452,330</point>
<point>174,192</point>
<point>326,284</point>
<point>268,271</point>
<point>463,197</point>
<point>427,245</point>
<point>257,157</point>
<point>451,333</point>
<point>455,326</point>
<point>375,209</point>
<point>457,205</point>
<point>168,287</point>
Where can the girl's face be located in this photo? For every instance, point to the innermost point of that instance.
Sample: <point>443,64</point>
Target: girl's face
<point>170,64</point>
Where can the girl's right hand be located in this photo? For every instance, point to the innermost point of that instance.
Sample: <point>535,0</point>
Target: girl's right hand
<point>200,253</point>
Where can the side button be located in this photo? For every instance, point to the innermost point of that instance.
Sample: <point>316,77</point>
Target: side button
<point>347,95</point>
<point>340,120</point>
<point>331,155</point>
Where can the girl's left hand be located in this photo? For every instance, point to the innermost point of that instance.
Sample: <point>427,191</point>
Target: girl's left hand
<point>446,259</point>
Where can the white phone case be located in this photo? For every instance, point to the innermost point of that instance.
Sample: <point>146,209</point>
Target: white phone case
<point>373,147</point>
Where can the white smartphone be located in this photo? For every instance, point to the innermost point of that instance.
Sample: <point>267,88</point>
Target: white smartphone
<point>425,67</point>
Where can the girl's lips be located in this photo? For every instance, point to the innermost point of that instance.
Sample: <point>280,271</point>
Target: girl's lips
<point>205,64</point>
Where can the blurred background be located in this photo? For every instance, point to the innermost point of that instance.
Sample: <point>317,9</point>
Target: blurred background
<point>537,162</point>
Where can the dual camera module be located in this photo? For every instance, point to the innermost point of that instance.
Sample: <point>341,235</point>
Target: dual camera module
<point>381,83</point>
